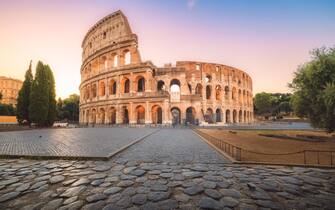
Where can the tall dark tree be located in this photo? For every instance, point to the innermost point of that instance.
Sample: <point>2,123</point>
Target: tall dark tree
<point>52,96</point>
<point>23,99</point>
<point>39,97</point>
<point>314,89</point>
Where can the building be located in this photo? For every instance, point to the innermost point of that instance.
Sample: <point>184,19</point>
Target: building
<point>9,89</point>
<point>117,87</point>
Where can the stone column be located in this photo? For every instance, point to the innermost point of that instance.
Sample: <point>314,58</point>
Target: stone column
<point>147,113</point>
<point>131,114</point>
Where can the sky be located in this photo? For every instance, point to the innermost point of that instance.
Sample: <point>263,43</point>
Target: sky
<point>267,39</point>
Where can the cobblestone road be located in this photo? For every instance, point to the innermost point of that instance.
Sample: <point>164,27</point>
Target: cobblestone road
<point>131,181</point>
<point>173,145</point>
<point>84,142</point>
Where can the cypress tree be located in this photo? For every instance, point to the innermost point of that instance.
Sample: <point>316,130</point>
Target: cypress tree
<point>39,97</point>
<point>52,96</point>
<point>24,97</point>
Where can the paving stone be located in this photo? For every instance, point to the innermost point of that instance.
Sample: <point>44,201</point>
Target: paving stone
<point>157,196</point>
<point>70,200</point>
<point>112,190</point>
<point>124,202</point>
<point>68,182</point>
<point>213,193</point>
<point>125,183</point>
<point>94,206</point>
<point>8,196</point>
<point>208,184</point>
<point>53,205</point>
<point>244,206</point>
<point>23,187</point>
<point>101,168</point>
<point>97,182</point>
<point>81,181</point>
<point>230,193</point>
<point>268,204</point>
<point>37,185</point>
<point>73,191</point>
<point>138,172</point>
<point>209,203</point>
<point>139,199</point>
<point>159,187</point>
<point>182,197</point>
<point>95,197</point>
<point>97,176</point>
<point>168,204</point>
<point>9,181</point>
<point>229,201</point>
<point>56,179</point>
<point>193,190</point>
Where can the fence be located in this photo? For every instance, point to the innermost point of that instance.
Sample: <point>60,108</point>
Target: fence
<point>303,157</point>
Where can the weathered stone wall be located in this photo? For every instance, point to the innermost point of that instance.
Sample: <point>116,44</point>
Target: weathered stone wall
<point>117,87</point>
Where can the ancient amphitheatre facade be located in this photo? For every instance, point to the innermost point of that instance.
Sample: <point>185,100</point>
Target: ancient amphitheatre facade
<point>117,87</point>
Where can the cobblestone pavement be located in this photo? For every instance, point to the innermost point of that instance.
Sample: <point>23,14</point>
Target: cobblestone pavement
<point>131,181</point>
<point>173,145</point>
<point>83,142</point>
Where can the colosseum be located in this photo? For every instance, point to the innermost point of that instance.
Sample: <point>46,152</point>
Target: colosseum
<point>117,87</point>
<point>9,89</point>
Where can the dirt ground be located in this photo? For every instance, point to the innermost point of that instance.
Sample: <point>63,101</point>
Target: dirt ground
<point>256,148</point>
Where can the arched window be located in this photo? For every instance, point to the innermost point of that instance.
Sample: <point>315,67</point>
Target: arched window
<point>218,92</point>
<point>208,92</point>
<point>102,89</point>
<point>115,61</point>
<point>112,87</point>
<point>208,78</point>
<point>94,90</point>
<point>127,57</point>
<point>160,85</point>
<point>126,86</point>
<point>190,87</point>
<point>198,89</point>
<point>141,85</point>
<point>175,85</point>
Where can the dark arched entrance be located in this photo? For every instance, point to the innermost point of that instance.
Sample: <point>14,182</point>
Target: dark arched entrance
<point>190,115</point>
<point>175,112</point>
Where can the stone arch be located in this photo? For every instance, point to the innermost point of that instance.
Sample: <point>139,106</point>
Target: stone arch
<point>160,85</point>
<point>104,62</point>
<point>218,115</point>
<point>87,120</point>
<point>102,88</point>
<point>218,92</point>
<point>239,95</point>
<point>208,78</point>
<point>190,115</point>
<point>234,116</point>
<point>140,114</point>
<point>125,85</point>
<point>175,85</point>
<point>112,115</point>
<point>124,115</point>
<point>175,115</point>
<point>112,87</point>
<point>244,116</point>
<point>156,114</point>
<point>198,89</point>
<point>115,59</point>
<point>226,92</point>
<point>102,116</point>
<point>209,115</point>
<point>228,116</point>
<point>127,57</point>
<point>234,92</point>
<point>94,90</point>
<point>140,84</point>
<point>94,116</point>
<point>208,92</point>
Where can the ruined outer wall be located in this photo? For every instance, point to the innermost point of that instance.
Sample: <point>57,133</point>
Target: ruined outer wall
<point>9,88</point>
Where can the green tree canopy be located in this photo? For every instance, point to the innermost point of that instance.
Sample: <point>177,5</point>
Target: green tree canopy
<point>68,109</point>
<point>52,96</point>
<point>314,90</point>
<point>23,99</point>
<point>263,103</point>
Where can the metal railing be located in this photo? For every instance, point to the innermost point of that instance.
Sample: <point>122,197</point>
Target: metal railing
<point>303,157</point>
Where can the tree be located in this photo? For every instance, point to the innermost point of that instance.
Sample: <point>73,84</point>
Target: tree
<point>68,109</point>
<point>314,91</point>
<point>23,99</point>
<point>263,103</point>
<point>52,96</point>
<point>39,97</point>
